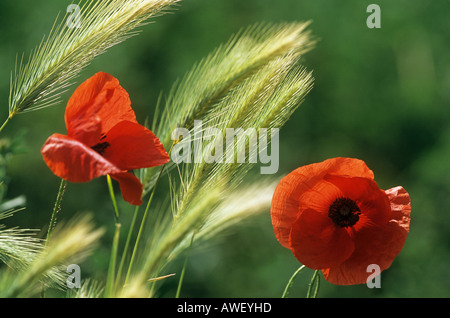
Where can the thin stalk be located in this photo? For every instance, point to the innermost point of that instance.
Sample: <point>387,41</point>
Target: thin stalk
<point>141,228</point>
<point>152,288</point>
<point>127,244</point>
<point>314,281</point>
<point>112,262</point>
<point>4,123</point>
<point>316,291</point>
<point>113,198</point>
<point>56,209</point>
<point>291,281</point>
<point>184,267</point>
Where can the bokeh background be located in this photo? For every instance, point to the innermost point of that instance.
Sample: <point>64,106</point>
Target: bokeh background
<point>381,95</point>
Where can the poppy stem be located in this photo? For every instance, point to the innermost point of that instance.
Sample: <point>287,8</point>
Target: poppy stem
<point>133,255</point>
<point>315,280</point>
<point>112,262</point>
<point>125,249</point>
<point>113,199</point>
<point>291,281</point>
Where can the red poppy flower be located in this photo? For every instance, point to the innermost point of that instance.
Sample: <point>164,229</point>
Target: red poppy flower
<point>103,138</point>
<point>333,217</point>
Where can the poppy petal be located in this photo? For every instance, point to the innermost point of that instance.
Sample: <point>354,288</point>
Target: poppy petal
<point>287,198</point>
<point>317,242</point>
<point>378,245</point>
<point>374,245</point>
<point>400,206</point>
<point>372,201</point>
<point>130,186</point>
<point>132,146</point>
<point>96,106</point>
<point>73,161</point>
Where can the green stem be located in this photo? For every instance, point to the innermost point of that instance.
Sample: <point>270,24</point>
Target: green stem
<point>291,281</point>
<point>113,198</point>
<point>144,218</point>
<point>316,291</point>
<point>314,281</point>
<point>112,262</point>
<point>127,244</point>
<point>56,208</point>
<point>184,267</point>
<point>5,122</point>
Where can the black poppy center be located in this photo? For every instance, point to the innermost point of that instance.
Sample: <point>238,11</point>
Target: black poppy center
<point>344,212</point>
<point>100,147</point>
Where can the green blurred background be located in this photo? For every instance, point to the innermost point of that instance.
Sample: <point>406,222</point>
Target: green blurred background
<point>381,95</point>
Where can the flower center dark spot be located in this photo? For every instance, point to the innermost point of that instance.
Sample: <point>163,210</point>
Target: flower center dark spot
<point>100,147</point>
<point>344,212</point>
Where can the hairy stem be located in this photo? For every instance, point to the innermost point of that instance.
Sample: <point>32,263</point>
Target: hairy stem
<point>314,282</point>
<point>125,249</point>
<point>291,281</point>
<point>56,209</point>
<point>112,262</point>
<point>144,218</point>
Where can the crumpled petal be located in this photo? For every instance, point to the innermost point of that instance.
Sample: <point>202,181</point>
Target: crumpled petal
<point>132,146</point>
<point>130,186</point>
<point>317,242</point>
<point>73,161</point>
<point>97,105</point>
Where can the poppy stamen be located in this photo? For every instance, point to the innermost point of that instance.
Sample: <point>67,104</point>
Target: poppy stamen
<point>100,147</point>
<point>344,212</point>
